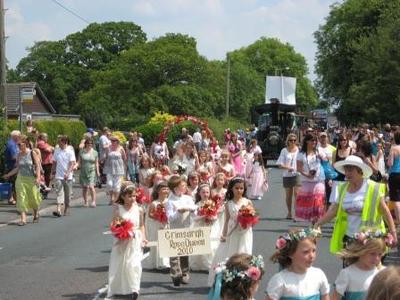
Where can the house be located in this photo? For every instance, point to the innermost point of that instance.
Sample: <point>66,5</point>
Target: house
<point>37,108</point>
<point>39,104</point>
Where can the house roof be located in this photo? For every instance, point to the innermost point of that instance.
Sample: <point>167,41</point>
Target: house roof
<point>13,95</point>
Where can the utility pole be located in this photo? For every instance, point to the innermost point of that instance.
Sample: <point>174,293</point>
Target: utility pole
<point>3,100</point>
<point>228,83</point>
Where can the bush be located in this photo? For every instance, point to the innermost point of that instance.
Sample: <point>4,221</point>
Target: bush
<point>218,126</point>
<point>121,137</point>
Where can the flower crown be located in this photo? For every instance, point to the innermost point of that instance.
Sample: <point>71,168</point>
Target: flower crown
<point>287,238</point>
<point>253,272</point>
<point>365,235</point>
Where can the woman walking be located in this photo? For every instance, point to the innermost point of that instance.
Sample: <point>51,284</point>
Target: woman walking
<point>89,165</point>
<point>311,196</point>
<point>114,168</point>
<point>28,180</point>
<point>394,175</point>
<point>343,150</point>
<point>291,180</point>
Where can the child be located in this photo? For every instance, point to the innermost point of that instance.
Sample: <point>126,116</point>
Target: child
<point>179,208</point>
<point>192,183</point>
<point>385,285</point>
<point>205,168</point>
<point>225,166</point>
<point>145,170</point>
<point>238,240</point>
<point>296,252</point>
<point>202,199</point>
<point>363,254</point>
<point>238,278</point>
<point>257,178</point>
<point>218,195</point>
<point>125,267</point>
<point>160,197</point>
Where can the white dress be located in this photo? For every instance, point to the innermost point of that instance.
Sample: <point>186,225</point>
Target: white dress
<point>238,240</point>
<point>125,268</point>
<point>203,262</point>
<point>152,227</point>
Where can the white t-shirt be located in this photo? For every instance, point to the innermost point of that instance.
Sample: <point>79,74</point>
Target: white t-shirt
<point>287,158</point>
<point>353,204</point>
<point>311,284</point>
<point>197,137</point>
<point>328,151</point>
<point>352,280</point>
<point>311,162</point>
<point>63,159</point>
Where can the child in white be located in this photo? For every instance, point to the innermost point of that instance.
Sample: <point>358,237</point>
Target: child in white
<point>179,210</point>
<point>160,197</point>
<point>364,255</point>
<point>125,268</point>
<point>218,195</point>
<point>202,197</point>
<point>257,178</point>
<point>296,252</point>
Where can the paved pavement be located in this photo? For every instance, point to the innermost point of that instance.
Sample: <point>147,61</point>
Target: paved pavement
<point>67,257</point>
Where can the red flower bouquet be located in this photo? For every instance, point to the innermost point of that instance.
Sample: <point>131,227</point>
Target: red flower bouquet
<point>209,211</point>
<point>141,196</point>
<point>247,216</point>
<point>122,229</point>
<point>160,214</point>
<point>218,200</point>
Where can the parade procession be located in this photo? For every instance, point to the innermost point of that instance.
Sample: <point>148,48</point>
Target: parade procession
<point>135,167</point>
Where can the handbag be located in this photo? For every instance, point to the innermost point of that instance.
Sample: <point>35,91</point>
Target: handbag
<point>330,172</point>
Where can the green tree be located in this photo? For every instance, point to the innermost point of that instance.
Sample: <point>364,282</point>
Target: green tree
<point>62,68</point>
<point>358,62</point>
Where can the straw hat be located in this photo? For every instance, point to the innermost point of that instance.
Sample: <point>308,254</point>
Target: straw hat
<point>353,160</point>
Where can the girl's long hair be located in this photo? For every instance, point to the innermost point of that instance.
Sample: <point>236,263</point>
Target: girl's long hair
<point>352,252</point>
<point>231,184</point>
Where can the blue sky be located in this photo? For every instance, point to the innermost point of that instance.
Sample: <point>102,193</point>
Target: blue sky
<point>218,25</point>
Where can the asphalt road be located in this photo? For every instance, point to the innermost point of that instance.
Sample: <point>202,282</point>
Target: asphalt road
<point>67,257</point>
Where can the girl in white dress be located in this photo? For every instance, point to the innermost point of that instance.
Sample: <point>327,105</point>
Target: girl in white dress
<point>363,254</point>
<point>225,166</point>
<point>160,197</point>
<point>296,252</point>
<point>237,239</point>
<point>205,168</point>
<point>202,197</point>
<point>218,192</point>
<point>125,269</point>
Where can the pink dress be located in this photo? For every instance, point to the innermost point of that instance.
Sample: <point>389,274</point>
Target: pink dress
<point>257,185</point>
<point>237,161</point>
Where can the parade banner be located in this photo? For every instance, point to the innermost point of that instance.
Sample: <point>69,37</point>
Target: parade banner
<point>184,242</point>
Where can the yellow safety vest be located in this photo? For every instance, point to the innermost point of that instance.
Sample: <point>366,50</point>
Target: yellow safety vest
<point>370,216</point>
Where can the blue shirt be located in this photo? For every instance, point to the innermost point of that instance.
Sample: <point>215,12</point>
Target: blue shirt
<point>11,154</point>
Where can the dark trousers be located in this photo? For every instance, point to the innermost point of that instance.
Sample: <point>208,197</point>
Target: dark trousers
<point>47,174</point>
<point>179,266</point>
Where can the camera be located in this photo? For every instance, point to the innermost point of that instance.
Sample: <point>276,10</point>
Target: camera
<point>313,172</point>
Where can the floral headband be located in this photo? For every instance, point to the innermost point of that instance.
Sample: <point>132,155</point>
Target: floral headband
<point>369,234</point>
<point>287,238</point>
<point>223,274</point>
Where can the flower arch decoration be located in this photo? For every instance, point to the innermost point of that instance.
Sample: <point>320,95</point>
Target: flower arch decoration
<point>179,119</point>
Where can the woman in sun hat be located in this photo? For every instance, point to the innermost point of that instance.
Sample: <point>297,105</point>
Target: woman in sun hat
<point>356,203</point>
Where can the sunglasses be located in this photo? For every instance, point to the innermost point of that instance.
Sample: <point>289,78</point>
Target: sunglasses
<point>20,144</point>
<point>292,140</point>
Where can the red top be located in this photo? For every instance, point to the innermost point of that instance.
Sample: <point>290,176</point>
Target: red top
<point>46,152</point>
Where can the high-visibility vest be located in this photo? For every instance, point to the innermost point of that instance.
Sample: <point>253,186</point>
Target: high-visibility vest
<point>370,216</point>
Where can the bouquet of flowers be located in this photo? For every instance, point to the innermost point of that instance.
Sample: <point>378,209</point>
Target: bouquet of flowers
<point>247,216</point>
<point>218,200</point>
<point>209,211</point>
<point>122,229</point>
<point>141,196</point>
<point>160,214</point>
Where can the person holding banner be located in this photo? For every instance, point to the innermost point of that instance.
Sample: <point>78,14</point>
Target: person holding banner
<point>179,209</point>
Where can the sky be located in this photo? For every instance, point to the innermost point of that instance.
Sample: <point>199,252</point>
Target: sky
<point>219,26</point>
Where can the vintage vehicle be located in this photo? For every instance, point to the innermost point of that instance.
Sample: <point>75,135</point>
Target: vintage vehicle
<point>275,121</point>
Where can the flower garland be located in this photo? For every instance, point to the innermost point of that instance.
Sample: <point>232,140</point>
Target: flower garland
<point>287,238</point>
<point>368,234</point>
<point>253,272</point>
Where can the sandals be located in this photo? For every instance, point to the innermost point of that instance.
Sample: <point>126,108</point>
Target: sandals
<point>12,202</point>
<point>21,223</point>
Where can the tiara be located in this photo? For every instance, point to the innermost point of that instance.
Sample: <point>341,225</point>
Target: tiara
<point>289,237</point>
<point>365,235</point>
<point>253,272</point>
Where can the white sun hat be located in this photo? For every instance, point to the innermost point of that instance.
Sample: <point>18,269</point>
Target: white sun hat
<point>353,160</point>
